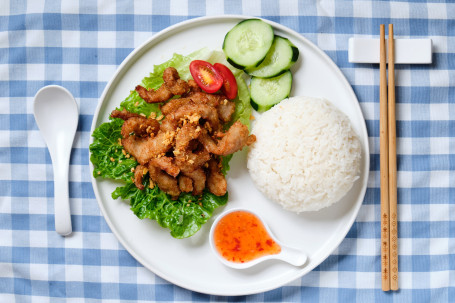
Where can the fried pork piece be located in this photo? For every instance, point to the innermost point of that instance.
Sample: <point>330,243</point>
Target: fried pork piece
<point>124,114</point>
<point>173,82</point>
<point>146,138</point>
<point>205,98</point>
<point>165,182</point>
<point>162,94</point>
<point>169,125</point>
<point>198,177</point>
<point>173,104</point>
<point>250,140</point>
<point>167,164</point>
<point>172,85</point>
<point>189,161</point>
<point>185,184</point>
<point>187,132</point>
<point>140,126</point>
<point>204,111</point>
<point>233,140</point>
<point>193,87</point>
<point>225,107</point>
<point>226,110</point>
<point>137,141</point>
<point>216,182</point>
<point>139,173</point>
<point>147,148</point>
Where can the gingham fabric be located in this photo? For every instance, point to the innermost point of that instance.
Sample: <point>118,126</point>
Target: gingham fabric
<point>79,44</point>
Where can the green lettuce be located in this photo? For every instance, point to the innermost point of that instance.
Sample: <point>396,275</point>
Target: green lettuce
<point>106,153</point>
<point>186,215</point>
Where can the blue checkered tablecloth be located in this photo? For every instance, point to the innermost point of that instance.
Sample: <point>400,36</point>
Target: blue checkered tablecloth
<point>79,44</point>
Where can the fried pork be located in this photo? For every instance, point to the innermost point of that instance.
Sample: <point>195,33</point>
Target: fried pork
<point>182,152</point>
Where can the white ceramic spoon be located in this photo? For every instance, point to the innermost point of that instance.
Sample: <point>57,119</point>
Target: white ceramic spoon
<point>57,115</point>
<point>288,254</point>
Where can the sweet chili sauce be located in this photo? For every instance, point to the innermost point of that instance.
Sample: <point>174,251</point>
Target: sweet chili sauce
<point>241,237</point>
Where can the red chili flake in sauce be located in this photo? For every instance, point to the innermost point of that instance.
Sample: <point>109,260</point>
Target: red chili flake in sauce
<point>241,237</point>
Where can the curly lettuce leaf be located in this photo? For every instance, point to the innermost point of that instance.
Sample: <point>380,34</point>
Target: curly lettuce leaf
<point>183,217</point>
<point>243,109</point>
<point>106,153</point>
<point>179,62</point>
<point>135,104</point>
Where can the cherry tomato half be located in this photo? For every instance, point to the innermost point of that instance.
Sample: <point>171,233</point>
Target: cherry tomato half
<point>229,87</point>
<point>206,76</point>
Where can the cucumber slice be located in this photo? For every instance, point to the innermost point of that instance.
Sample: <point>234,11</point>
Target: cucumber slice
<point>281,56</point>
<point>266,92</point>
<point>247,43</point>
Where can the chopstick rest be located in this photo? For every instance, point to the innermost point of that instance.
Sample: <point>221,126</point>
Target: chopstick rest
<point>407,51</point>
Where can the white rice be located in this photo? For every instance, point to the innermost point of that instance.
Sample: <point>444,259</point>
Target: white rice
<point>307,155</point>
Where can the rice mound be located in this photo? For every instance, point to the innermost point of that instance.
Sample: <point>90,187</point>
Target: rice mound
<point>306,156</point>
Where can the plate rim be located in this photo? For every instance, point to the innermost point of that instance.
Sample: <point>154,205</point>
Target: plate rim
<point>366,155</point>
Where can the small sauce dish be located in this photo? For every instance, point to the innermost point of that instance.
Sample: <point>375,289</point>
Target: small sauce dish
<point>240,238</point>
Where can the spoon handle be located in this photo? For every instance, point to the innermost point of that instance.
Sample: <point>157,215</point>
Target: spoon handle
<point>292,255</point>
<point>62,212</point>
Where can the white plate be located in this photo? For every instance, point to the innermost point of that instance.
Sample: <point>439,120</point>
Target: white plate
<point>190,263</point>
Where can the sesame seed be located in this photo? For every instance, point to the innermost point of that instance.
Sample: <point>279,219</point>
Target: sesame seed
<point>136,104</point>
<point>112,159</point>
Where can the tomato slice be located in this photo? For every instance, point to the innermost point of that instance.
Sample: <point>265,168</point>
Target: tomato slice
<point>206,76</point>
<point>229,87</point>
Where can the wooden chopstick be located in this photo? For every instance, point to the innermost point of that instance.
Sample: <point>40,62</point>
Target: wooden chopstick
<point>392,166</point>
<point>384,163</point>
<point>388,164</point>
